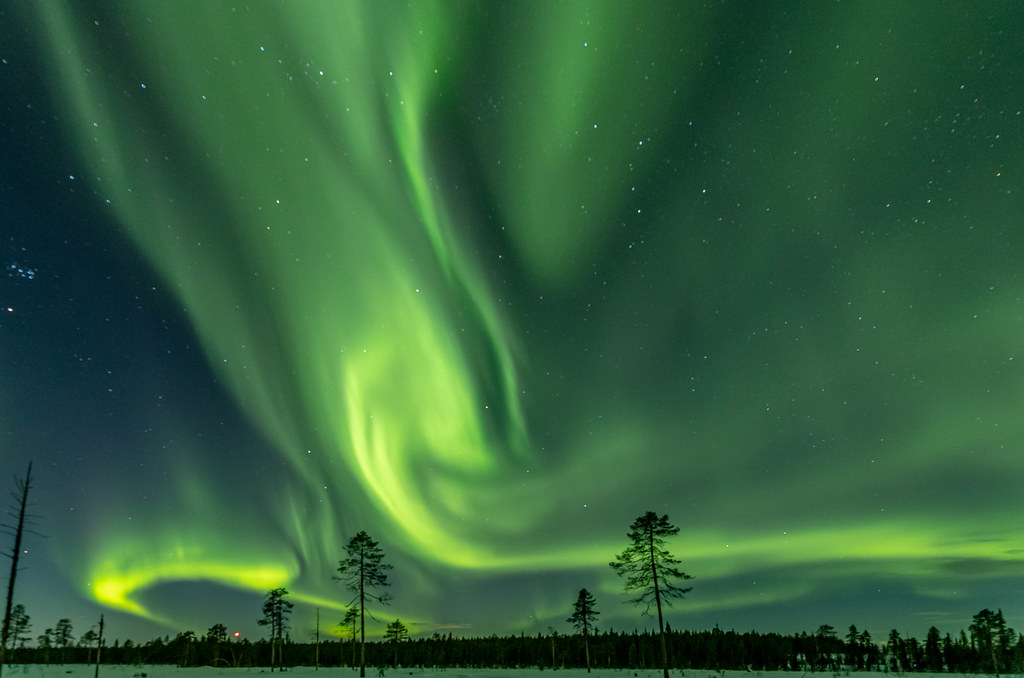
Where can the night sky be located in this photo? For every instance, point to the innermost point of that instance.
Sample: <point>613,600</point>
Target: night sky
<point>489,280</point>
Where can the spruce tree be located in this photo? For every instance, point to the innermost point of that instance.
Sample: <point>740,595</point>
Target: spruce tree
<point>582,619</point>
<point>933,651</point>
<point>651,570</point>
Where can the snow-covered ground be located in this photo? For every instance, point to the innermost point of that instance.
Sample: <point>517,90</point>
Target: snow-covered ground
<point>82,671</point>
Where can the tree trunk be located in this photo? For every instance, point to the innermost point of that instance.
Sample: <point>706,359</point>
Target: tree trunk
<point>362,617</point>
<point>657,600</point>
<point>99,649</point>
<point>5,630</point>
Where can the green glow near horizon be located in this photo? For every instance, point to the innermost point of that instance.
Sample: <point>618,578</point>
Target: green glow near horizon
<point>333,283</point>
<point>286,172</point>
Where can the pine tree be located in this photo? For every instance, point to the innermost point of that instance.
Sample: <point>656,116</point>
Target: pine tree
<point>869,648</point>
<point>275,615</point>
<point>582,619</point>
<point>650,569</point>
<point>853,656</point>
<point>88,639</point>
<point>933,651</point>
<point>897,655</point>
<point>396,633</point>
<point>991,638</point>
<point>62,637</point>
<point>349,624</point>
<point>21,626</point>
<point>218,633</point>
<point>364,571</point>
<point>45,642</point>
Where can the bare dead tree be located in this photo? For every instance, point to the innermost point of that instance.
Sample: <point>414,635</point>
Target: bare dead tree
<point>99,648</point>
<point>19,512</point>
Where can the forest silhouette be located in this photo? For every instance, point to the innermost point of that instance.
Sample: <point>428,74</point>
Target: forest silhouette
<point>651,573</point>
<point>988,646</point>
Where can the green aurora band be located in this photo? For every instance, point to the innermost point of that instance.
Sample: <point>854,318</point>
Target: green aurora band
<point>306,179</point>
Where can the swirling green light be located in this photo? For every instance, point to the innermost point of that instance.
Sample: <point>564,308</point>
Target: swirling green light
<point>328,288</point>
<point>285,169</point>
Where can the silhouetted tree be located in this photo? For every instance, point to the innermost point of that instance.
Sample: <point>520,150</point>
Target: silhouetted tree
<point>554,637</point>
<point>62,637</point>
<point>854,659</point>
<point>933,651</point>
<point>363,572</point>
<point>650,569</point>
<point>826,646</point>
<point>213,643</point>
<point>88,640</point>
<point>317,634</point>
<point>45,642</point>
<point>275,615</point>
<point>218,633</point>
<point>349,625</point>
<point>99,648</point>
<point>991,639</point>
<point>396,633</point>
<point>897,652</point>
<point>582,618</point>
<point>21,626</point>
<point>870,650</point>
<point>20,510</point>
<point>183,648</point>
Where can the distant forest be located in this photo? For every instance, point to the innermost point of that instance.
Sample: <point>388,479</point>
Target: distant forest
<point>988,646</point>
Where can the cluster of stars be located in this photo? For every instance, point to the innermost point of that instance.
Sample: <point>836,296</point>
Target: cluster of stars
<point>19,271</point>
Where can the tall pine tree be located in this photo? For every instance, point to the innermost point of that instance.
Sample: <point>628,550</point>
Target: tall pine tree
<point>651,570</point>
<point>364,572</point>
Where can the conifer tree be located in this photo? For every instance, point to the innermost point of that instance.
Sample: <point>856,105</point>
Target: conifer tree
<point>869,649</point>
<point>363,572</point>
<point>62,637</point>
<point>651,570</point>
<point>349,624</point>
<point>21,626</point>
<point>275,615</point>
<point>88,639</point>
<point>991,637</point>
<point>896,657</point>
<point>582,619</point>
<point>396,633</point>
<point>933,651</point>
<point>218,633</point>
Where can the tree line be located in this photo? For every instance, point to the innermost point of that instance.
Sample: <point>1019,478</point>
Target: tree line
<point>649,572</point>
<point>988,646</point>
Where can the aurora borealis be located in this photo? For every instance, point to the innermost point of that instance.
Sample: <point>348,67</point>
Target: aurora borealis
<point>489,280</point>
